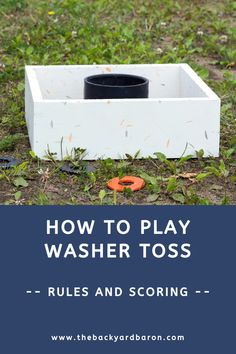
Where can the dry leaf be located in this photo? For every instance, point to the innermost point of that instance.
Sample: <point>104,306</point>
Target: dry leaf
<point>188,175</point>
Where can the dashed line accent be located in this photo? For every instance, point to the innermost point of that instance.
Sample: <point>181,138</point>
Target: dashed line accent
<point>201,292</point>
<point>33,291</point>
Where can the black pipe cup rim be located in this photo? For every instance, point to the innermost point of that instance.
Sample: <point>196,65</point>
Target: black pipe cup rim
<point>116,80</point>
<point>110,86</point>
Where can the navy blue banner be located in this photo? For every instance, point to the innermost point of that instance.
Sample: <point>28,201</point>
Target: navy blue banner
<point>118,280</point>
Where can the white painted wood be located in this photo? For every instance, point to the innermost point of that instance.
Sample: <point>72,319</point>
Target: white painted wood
<point>181,115</point>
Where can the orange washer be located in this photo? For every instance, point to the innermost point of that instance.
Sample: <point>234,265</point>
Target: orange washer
<point>116,183</point>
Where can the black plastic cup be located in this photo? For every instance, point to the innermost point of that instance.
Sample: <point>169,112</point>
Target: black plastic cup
<point>115,86</point>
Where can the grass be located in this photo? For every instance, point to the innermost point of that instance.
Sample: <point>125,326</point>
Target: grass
<point>201,33</point>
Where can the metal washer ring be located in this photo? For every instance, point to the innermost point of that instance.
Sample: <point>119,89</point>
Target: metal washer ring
<point>7,162</point>
<point>73,171</point>
<point>116,183</point>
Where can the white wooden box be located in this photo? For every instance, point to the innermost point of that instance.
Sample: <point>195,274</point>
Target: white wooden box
<point>181,115</point>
